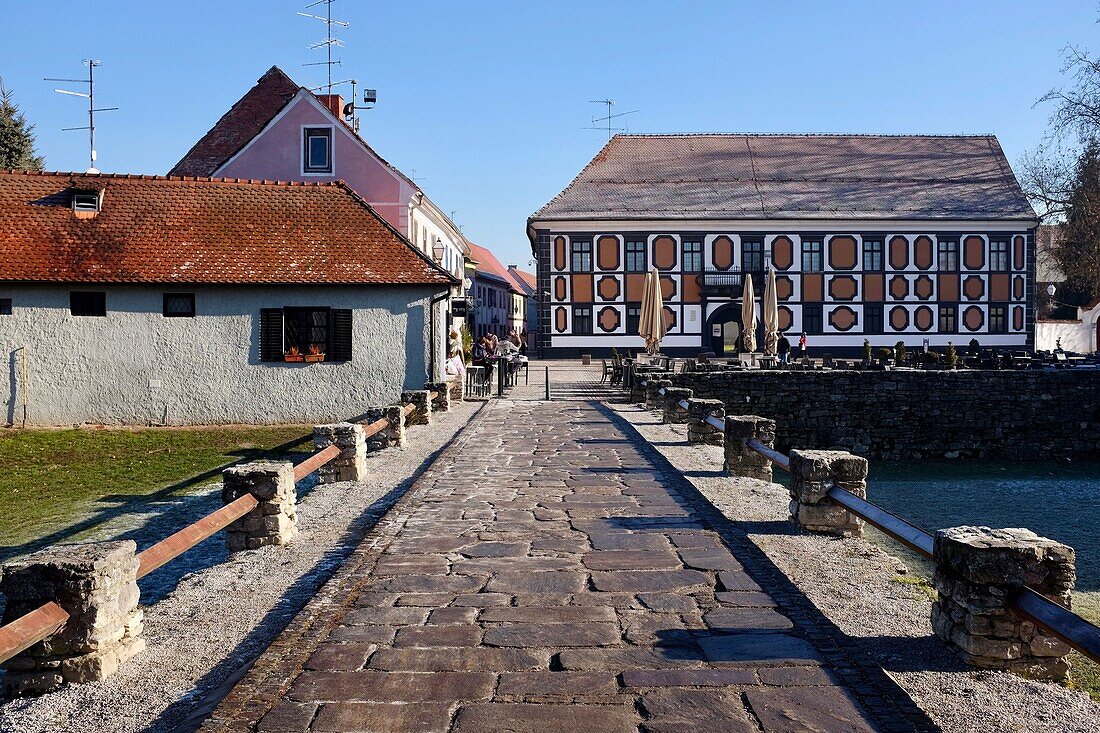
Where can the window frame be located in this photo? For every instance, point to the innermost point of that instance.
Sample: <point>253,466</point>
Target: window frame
<point>583,249</point>
<point>5,307</point>
<point>318,131</point>
<point>640,252</point>
<point>1002,317</point>
<point>819,326</point>
<point>947,313</point>
<point>294,310</point>
<point>815,249</point>
<point>693,242</point>
<point>633,320</point>
<point>99,312</point>
<point>876,254</point>
<point>582,314</point>
<point>950,247</point>
<point>995,255</point>
<point>757,245</point>
<point>874,318</point>
<point>189,314</point>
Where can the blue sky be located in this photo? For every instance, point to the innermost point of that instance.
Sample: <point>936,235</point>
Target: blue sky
<point>486,99</point>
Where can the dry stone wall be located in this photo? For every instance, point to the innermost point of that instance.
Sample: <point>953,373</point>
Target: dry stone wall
<point>918,414</point>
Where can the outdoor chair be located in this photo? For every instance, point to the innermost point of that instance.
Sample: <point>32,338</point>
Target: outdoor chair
<point>606,371</point>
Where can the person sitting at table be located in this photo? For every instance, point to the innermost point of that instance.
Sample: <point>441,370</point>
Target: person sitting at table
<point>481,355</point>
<point>492,344</point>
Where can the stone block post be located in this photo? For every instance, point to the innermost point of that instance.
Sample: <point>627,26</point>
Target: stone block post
<point>740,460</point>
<point>421,400</point>
<point>275,520</point>
<point>813,472</point>
<point>637,385</point>
<point>393,435</point>
<point>351,464</point>
<point>96,584</point>
<point>674,412</point>
<point>442,402</point>
<point>456,388</point>
<point>699,430</point>
<point>653,386</point>
<point>977,570</point>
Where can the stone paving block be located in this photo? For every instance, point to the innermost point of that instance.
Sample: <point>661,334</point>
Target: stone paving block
<point>452,616</point>
<point>543,718</point>
<point>674,710</point>
<point>794,710</point>
<point>481,600</point>
<point>432,584</point>
<point>667,603</point>
<point>497,549</point>
<point>708,558</point>
<point>745,599</point>
<point>425,600</point>
<point>555,686</point>
<point>447,636</point>
<point>388,717</point>
<point>553,635</point>
<point>757,650</point>
<point>547,582</point>
<point>733,580</point>
<point>548,615</point>
<point>642,678</point>
<point>490,565</point>
<point>340,657</point>
<point>385,616</point>
<point>645,581</point>
<point>746,619</point>
<point>371,686</point>
<point>470,659</point>
<point>795,676</point>
<point>629,541</point>
<point>631,560</point>
<point>363,634</point>
<point>618,660</point>
<point>287,717</point>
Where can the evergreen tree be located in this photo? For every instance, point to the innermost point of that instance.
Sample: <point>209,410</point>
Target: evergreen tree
<point>16,137</point>
<point>1078,254</point>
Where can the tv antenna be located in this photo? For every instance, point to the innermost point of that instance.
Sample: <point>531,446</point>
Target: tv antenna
<point>608,118</point>
<point>370,98</point>
<point>92,109</point>
<point>330,37</point>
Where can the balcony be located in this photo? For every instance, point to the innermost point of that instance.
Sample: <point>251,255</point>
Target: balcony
<point>727,283</point>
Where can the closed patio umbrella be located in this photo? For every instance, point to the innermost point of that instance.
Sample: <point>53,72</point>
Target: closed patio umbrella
<point>771,315</point>
<point>651,326</point>
<point>748,315</point>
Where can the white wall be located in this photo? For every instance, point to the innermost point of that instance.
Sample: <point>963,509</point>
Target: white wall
<point>1076,336</point>
<point>133,365</point>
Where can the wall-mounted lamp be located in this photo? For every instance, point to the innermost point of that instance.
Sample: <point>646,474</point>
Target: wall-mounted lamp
<point>437,250</point>
<point>1051,290</point>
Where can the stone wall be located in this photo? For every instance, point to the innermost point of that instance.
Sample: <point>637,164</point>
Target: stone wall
<point>918,414</point>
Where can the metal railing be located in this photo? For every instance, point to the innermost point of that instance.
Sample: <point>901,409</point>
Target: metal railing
<point>49,618</point>
<point>1027,603</point>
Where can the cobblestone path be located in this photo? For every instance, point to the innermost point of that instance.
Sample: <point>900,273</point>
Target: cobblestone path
<point>548,576</point>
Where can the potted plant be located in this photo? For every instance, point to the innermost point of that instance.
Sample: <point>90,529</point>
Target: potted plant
<point>293,355</point>
<point>885,356</point>
<point>314,354</point>
<point>931,359</point>
<point>950,358</point>
<point>899,352</point>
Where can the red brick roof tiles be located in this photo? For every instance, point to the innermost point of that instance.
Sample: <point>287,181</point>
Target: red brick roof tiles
<point>488,264</point>
<point>194,230</point>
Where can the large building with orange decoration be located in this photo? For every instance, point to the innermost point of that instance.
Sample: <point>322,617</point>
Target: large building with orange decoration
<point>878,237</point>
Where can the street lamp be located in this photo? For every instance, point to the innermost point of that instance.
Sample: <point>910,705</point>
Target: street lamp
<point>1051,290</point>
<point>437,250</point>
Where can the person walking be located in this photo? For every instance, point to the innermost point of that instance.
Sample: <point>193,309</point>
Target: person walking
<point>783,349</point>
<point>802,345</point>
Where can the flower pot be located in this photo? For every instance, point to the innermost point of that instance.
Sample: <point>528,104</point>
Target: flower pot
<point>293,358</point>
<point>313,358</point>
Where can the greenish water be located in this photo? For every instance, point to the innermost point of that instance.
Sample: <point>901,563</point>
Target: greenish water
<point>1056,500</point>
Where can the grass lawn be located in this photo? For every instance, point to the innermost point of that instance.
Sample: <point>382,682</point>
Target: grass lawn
<point>51,478</point>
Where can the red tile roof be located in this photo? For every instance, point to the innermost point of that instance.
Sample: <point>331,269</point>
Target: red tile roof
<point>185,230</point>
<point>488,264</point>
<point>524,277</point>
<point>239,125</point>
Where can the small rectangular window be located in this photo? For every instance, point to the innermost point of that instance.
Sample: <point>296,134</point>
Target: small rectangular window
<point>872,255</point>
<point>811,256</point>
<point>635,255</point>
<point>947,319</point>
<point>86,201</point>
<point>582,321</point>
<point>5,306</point>
<point>998,319</point>
<point>752,255</point>
<point>811,319</point>
<point>693,256</point>
<point>317,150</point>
<point>872,318</point>
<point>948,255</point>
<point>582,256</point>
<point>998,255</point>
<point>85,303</point>
<point>633,319</point>
<point>179,305</point>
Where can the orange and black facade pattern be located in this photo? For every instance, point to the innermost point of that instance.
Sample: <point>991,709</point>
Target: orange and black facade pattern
<point>840,287</point>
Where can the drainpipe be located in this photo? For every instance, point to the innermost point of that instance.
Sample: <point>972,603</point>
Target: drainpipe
<point>431,331</point>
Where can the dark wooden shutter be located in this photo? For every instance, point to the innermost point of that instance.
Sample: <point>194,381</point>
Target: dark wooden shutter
<point>339,335</point>
<point>271,334</point>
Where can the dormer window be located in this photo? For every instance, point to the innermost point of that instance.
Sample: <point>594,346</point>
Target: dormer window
<point>317,150</point>
<point>87,201</point>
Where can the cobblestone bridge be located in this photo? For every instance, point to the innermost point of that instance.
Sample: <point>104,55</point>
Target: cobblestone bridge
<point>550,573</point>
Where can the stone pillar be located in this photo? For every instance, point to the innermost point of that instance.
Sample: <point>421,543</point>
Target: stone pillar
<point>637,386</point>
<point>393,435</point>
<point>442,402</point>
<point>977,570</point>
<point>812,474</point>
<point>351,464</point>
<point>275,520</point>
<point>699,430</point>
<point>653,386</point>
<point>419,398</point>
<point>674,412</point>
<point>96,584</point>
<point>740,460</point>
<point>456,388</point>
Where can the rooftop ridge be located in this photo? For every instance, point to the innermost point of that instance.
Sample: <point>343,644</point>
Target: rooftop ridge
<point>193,179</point>
<point>806,134</point>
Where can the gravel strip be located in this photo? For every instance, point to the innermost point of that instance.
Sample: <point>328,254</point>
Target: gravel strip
<point>205,627</point>
<point>868,594</point>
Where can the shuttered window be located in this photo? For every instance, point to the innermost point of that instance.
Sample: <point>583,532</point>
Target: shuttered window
<point>327,329</point>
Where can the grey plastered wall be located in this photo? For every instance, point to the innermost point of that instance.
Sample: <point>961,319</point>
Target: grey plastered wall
<point>135,366</point>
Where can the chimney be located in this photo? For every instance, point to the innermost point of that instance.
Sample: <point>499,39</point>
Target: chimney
<point>334,102</point>
<point>513,267</point>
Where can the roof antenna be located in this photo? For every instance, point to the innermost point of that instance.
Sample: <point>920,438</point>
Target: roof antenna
<point>330,37</point>
<point>596,121</point>
<point>92,109</point>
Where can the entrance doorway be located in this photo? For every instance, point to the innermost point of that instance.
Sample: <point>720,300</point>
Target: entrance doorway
<point>724,327</point>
